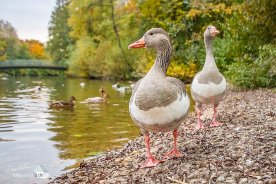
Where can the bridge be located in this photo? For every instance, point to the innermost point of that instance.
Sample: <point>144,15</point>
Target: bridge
<point>26,64</point>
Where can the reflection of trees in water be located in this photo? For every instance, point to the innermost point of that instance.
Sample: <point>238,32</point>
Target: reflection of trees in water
<point>44,136</point>
<point>90,128</point>
<point>22,104</point>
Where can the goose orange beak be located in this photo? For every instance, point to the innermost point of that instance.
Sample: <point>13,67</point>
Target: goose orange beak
<point>138,44</point>
<point>214,32</point>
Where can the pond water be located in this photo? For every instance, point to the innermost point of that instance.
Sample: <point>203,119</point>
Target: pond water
<point>37,142</point>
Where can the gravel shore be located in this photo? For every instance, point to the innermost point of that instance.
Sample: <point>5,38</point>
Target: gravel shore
<point>241,151</point>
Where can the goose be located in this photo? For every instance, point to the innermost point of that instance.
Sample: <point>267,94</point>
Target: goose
<point>209,85</point>
<point>158,103</point>
<point>60,104</point>
<point>103,99</point>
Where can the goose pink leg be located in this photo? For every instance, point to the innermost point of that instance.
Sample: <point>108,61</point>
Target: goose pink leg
<point>214,122</point>
<point>174,152</point>
<point>151,161</point>
<point>199,113</point>
<point>199,121</point>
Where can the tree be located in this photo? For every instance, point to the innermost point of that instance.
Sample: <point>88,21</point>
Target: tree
<point>9,40</point>
<point>36,49</point>
<point>3,55</point>
<point>117,33</point>
<point>99,51</point>
<point>59,40</point>
<point>23,51</point>
<point>10,46</point>
<point>102,30</point>
<point>252,50</point>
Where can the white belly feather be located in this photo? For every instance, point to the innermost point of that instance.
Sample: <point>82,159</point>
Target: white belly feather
<point>161,115</point>
<point>208,90</point>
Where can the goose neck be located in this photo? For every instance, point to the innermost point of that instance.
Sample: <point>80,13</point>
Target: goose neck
<point>210,63</point>
<point>208,46</point>
<point>162,60</point>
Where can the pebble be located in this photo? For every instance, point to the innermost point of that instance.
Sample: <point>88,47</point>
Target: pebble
<point>226,154</point>
<point>221,178</point>
<point>243,181</point>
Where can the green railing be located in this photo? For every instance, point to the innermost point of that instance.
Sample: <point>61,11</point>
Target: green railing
<point>25,64</point>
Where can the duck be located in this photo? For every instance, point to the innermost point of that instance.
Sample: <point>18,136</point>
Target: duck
<point>35,89</point>
<point>208,85</point>
<point>60,104</point>
<point>158,103</point>
<point>116,85</point>
<point>119,88</point>
<point>102,99</point>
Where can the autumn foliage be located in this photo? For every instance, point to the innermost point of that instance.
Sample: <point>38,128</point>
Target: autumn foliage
<point>36,49</point>
<point>11,47</point>
<point>92,36</point>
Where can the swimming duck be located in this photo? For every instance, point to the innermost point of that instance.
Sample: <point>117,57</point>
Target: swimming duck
<point>119,88</point>
<point>103,99</point>
<point>158,103</point>
<point>209,85</point>
<point>35,89</point>
<point>82,84</point>
<point>60,104</point>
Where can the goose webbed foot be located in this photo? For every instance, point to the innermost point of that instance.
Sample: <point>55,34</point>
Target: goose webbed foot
<point>151,162</point>
<point>215,124</point>
<point>173,153</point>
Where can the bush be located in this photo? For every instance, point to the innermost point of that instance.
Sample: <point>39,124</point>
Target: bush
<point>259,73</point>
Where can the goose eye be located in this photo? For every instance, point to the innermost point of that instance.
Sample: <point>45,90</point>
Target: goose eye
<point>151,33</point>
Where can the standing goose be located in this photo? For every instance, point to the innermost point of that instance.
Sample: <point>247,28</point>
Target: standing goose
<point>158,103</point>
<point>209,85</point>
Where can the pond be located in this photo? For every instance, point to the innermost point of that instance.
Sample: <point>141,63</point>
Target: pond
<point>37,142</point>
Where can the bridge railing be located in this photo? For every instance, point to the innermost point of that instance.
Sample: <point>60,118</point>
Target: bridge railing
<point>12,64</point>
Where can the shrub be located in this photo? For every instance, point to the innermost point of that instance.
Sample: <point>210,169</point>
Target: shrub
<point>259,73</point>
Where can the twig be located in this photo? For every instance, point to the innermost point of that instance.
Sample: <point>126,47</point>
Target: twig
<point>177,181</point>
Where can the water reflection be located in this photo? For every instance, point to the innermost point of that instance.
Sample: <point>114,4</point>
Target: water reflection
<point>92,128</point>
<point>24,108</point>
<point>24,116</point>
<point>34,136</point>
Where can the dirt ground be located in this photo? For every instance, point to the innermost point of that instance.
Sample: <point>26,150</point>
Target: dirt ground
<point>241,151</point>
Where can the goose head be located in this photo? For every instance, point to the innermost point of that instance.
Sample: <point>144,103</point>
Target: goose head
<point>211,32</point>
<point>154,38</point>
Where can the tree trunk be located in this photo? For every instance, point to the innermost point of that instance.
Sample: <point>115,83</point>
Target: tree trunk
<point>117,35</point>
